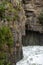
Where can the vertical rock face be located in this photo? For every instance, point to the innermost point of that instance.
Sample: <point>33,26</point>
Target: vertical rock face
<point>18,29</point>
<point>32,10</point>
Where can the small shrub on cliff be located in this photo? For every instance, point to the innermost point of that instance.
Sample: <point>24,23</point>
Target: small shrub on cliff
<point>41,18</point>
<point>6,36</point>
<point>7,11</point>
<point>2,11</point>
<point>2,62</point>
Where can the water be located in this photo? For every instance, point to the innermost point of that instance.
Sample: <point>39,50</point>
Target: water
<point>32,55</point>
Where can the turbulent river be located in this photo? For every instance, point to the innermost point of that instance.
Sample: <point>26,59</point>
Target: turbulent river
<point>32,55</point>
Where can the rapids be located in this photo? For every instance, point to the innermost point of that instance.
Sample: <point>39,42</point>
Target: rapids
<point>32,55</point>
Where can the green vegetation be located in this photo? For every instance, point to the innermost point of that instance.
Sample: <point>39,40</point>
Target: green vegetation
<point>3,59</point>
<point>6,36</point>
<point>41,18</point>
<point>2,62</point>
<point>2,11</point>
<point>6,39</point>
<point>8,12</point>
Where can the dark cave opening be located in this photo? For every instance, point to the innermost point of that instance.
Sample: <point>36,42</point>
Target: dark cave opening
<point>32,37</point>
<point>25,1</point>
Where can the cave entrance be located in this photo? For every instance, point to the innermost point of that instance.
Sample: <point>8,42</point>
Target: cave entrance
<point>32,37</point>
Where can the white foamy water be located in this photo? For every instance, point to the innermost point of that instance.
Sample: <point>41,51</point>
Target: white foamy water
<point>32,55</point>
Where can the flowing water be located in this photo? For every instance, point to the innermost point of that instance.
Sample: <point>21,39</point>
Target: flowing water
<point>32,55</point>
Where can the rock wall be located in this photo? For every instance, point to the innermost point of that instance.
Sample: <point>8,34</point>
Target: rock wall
<point>18,29</point>
<point>32,10</point>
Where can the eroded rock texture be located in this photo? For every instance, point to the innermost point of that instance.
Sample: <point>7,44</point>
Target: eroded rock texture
<point>18,28</point>
<point>18,31</point>
<point>32,10</point>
